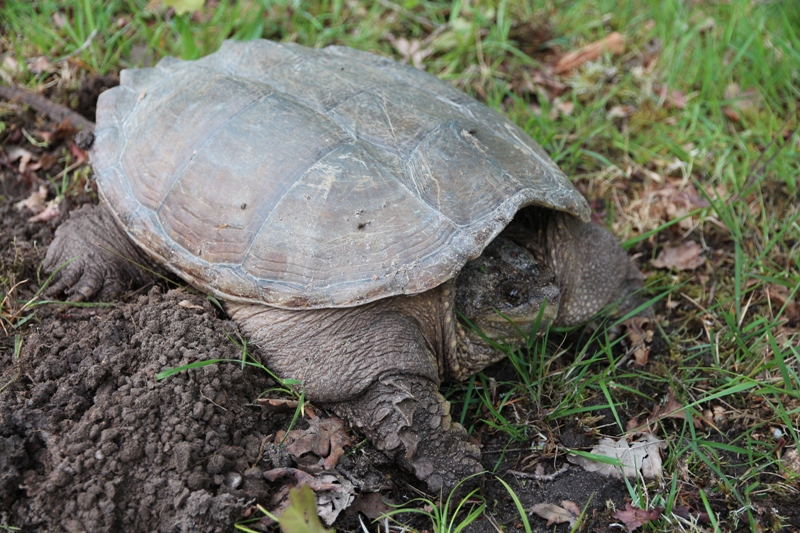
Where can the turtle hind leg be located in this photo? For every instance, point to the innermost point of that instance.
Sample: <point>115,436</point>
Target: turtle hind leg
<point>92,257</point>
<point>406,418</point>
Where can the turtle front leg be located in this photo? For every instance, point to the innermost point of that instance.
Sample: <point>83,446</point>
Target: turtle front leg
<point>373,366</point>
<point>93,257</point>
<point>405,417</point>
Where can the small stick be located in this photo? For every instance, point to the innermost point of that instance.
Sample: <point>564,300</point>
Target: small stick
<point>56,112</point>
<point>540,477</point>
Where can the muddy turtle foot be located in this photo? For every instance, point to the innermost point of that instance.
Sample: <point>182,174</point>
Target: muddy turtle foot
<point>93,258</point>
<point>407,418</point>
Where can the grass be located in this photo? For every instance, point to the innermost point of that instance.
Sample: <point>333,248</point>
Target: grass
<point>448,514</point>
<point>694,119</point>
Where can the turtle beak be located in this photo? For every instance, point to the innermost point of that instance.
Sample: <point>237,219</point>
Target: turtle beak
<point>542,308</point>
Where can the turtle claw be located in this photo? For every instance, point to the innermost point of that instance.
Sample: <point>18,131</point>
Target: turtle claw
<point>86,258</point>
<point>407,418</point>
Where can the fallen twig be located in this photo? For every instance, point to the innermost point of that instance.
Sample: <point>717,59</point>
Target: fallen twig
<point>56,112</point>
<point>540,477</point>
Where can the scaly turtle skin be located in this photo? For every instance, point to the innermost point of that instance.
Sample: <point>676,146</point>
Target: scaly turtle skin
<point>342,205</point>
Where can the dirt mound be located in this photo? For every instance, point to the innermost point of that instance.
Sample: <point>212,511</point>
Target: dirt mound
<point>90,440</point>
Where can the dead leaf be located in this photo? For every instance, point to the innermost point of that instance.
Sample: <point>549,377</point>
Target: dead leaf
<point>319,447</point>
<point>790,460</point>
<point>45,162</point>
<point>640,335</point>
<point>643,455</point>
<point>278,405</point>
<point>372,504</point>
<point>332,502</point>
<point>740,102</point>
<point>10,64</point>
<point>634,518</point>
<point>81,155</point>
<point>650,53</point>
<point>571,507</point>
<point>550,86</point>
<point>778,295</point>
<point>707,25</point>
<point>51,211</point>
<point>718,414</point>
<point>186,304</point>
<point>687,513</point>
<point>64,130</point>
<point>746,98</point>
<point>334,492</point>
<point>557,515</point>
<point>672,408</point>
<point>39,65</point>
<point>664,200</point>
<point>730,113</point>
<point>35,202</point>
<point>633,425</point>
<point>18,153</point>
<point>673,98</point>
<point>621,111</point>
<point>613,43</point>
<point>301,477</point>
<point>561,107</point>
<point>678,99</point>
<point>59,21</point>
<point>686,256</point>
<point>412,50</point>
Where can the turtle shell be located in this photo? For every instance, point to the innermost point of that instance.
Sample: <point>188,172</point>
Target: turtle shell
<point>310,178</point>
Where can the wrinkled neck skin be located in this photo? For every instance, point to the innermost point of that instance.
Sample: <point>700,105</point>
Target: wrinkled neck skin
<point>593,272</point>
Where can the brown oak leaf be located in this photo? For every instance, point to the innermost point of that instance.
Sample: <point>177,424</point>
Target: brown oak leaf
<point>568,512</point>
<point>633,517</point>
<point>687,513</point>
<point>687,256</point>
<point>613,43</point>
<point>640,335</point>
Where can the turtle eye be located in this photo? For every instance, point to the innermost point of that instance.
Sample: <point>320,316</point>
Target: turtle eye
<point>513,295</point>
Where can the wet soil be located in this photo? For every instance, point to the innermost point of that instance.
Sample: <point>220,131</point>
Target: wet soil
<point>91,440</point>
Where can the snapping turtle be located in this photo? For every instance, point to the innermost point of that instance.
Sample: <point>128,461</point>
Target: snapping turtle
<point>343,206</point>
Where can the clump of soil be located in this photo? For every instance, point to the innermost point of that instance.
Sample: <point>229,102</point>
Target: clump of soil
<point>92,441</point>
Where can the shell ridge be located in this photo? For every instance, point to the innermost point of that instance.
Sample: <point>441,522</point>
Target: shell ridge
<point>350,97</point>
<point>179,173</point>
<point>295,184</point>
<point>265,77</point>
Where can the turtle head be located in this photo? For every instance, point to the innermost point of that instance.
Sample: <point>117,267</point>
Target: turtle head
<point>505,291</point>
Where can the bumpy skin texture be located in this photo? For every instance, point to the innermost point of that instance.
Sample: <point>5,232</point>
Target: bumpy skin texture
<point>95,257</point>
<point>407,418</point>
